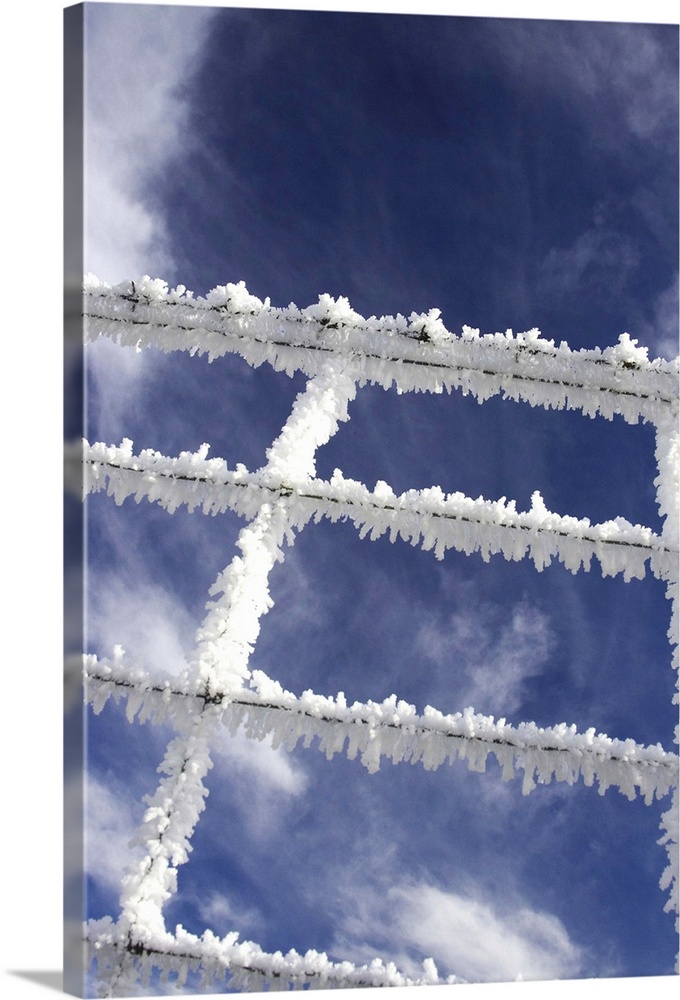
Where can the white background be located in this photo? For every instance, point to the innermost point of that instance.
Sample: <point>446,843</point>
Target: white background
<point>30,490</point>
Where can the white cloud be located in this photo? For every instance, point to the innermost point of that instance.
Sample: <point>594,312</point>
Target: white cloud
<point>489,657</point>
<point>135,123</point>
<point>619,82</point>
<point>256,760</point>
<point>111,821</point>
<point>637,71</point>
<point>152,626</point>
<point>599,258</point>
<point>662,332</point>
<point>116,375</point>
<point>622,82</point>
<point>468,936</point>
<point>264,783</point>
<point>221,916</point>
<point>296,592</point>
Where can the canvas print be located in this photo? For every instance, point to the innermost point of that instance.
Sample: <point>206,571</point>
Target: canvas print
<point>372,525</point>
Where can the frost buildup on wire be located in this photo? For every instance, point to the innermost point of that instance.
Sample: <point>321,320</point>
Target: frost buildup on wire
<point>414,354</point>
<point>394,731</point>
<point>338,350</point>
<point>427,518</point>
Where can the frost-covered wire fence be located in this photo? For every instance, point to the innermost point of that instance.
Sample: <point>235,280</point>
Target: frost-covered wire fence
<point>340,351</point>
<point>392,729</point>
<point>417,353</point>
<point>421,517</point>
<point>245,964</point>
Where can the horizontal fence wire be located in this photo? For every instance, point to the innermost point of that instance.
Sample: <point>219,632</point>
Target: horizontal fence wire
<point>394,730</point>
<point>414,354</point>
<point>425,517</point>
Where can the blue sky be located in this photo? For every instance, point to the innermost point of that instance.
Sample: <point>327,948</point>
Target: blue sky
<point>512,174</point>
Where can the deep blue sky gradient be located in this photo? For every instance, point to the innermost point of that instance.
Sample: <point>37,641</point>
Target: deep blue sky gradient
<point>406,161</point>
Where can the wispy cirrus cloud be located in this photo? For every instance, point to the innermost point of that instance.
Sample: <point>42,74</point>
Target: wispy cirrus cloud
<point>611,92</point>
<point>598,259</point>
<point>260,770</point>
<point>488,653</point>
<point>469,936</point>
<point>112,816</point>
<point>472,938</point>
<point>222,915</point>
<point>601,263</point>
<point>153,627</point>
<point>662,329</point>
<point>136,122</point>
<point>620,78</point>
